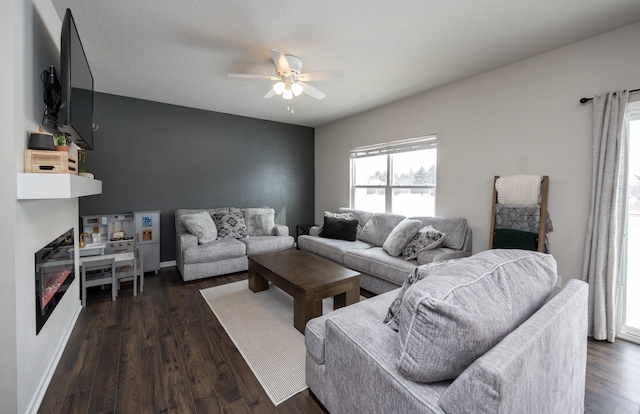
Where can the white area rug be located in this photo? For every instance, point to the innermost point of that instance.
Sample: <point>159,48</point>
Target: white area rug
<point>261,326</point>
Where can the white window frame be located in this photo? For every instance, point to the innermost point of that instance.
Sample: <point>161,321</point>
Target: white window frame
<point>628,333</point>
<point>388,149</point>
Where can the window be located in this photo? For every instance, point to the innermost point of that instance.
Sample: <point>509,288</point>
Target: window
<point>396,177</point>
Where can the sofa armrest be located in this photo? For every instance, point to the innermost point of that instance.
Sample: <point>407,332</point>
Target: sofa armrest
<point>540,365</point>
<point>184,240</point>
<point>280,230</point>
<point>315,230</point>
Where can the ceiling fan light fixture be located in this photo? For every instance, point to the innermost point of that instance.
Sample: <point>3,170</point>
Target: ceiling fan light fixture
<point>279,87</point>
<point>296,88</point>
<point>287,94</point>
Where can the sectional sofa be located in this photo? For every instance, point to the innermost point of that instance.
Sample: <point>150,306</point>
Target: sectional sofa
<point>382,272</point>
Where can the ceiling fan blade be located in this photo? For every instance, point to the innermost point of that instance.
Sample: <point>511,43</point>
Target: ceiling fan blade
<point>269,94</point>
<point>282,66</point>
<point>249,76</point>
<point>320,75</point>
<point>311,91</point>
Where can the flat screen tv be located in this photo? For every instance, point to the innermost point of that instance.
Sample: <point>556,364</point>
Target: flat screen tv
<point>75,117</point>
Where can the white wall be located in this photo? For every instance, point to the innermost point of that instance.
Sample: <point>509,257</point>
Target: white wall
<point>29,359</point>
<point>524,118</point>
<point>8,367</point>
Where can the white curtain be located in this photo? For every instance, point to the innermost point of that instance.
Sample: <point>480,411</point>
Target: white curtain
<point>608,214</point>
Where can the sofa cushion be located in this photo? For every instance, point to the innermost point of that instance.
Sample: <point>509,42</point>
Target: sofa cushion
<point>400,236</point>
<point>427,238</point>
<point>230,225</point>
<point>216,250</point>
<point>360,215</point>
<point>337,228</point>
<point>393,314</point>
<point>201,225</point>
<point>378,228</point>
<point>462,308</point>
<point>375,261</point>
<point>316,329</point>
<point>454,228</point>
<point>259,221</point>
<point>263,244</point>
<point>329,248</point>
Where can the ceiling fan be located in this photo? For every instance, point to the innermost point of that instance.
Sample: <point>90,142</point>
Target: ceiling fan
<point>290,81</point>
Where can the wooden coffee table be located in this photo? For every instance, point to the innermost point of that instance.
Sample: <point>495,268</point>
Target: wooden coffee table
<point>307,278</point>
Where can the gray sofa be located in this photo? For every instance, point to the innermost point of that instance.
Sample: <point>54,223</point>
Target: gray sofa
<point>477,335</point>
<point>222,256</point>
<point>380,271</point>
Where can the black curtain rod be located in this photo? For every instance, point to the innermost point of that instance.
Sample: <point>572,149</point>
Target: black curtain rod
<point>585,100</point>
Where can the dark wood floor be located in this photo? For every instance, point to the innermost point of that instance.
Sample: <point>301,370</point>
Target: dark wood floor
<point>165,352</point>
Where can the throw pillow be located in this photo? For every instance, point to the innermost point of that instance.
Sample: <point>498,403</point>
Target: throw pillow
<point>378,227</point>
<point>393,313</point>
<point>259,221</point>
<point>464,307</point>
<point>427,238</point>
<point>334,228</point>
<point>343,216</point>
<point>201,225</point>
<point>401,235</point>
<point>230,225</point>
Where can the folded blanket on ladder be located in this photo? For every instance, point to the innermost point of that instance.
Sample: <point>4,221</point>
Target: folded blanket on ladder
<point>519,189</point>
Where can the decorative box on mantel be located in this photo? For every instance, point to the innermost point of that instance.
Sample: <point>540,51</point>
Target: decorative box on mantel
<point>50,162</point>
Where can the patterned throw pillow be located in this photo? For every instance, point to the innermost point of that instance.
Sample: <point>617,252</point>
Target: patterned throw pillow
<point>230,225</point>
<point>341,216</point>
<point>393,314</point>
<point>427,238</point>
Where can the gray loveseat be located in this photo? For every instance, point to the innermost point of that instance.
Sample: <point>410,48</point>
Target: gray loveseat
<point>380,271</point>
<point>476,335</point>
<point>197,260</point>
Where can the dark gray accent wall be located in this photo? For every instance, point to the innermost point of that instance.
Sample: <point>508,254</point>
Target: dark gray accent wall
<point>154,156</point>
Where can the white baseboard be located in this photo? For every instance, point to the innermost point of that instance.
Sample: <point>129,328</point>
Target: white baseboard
<point>170,263</point>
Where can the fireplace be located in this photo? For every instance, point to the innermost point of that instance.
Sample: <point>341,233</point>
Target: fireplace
<point>54,273</point>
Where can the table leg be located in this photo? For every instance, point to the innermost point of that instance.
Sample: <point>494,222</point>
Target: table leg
<point>305,308</point>
<point>349,297</point>
<point>256,282</point>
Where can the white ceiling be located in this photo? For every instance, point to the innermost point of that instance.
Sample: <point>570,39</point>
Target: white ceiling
<point>180,52</point>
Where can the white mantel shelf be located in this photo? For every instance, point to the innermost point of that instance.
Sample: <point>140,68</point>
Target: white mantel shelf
<point>35,186</point>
